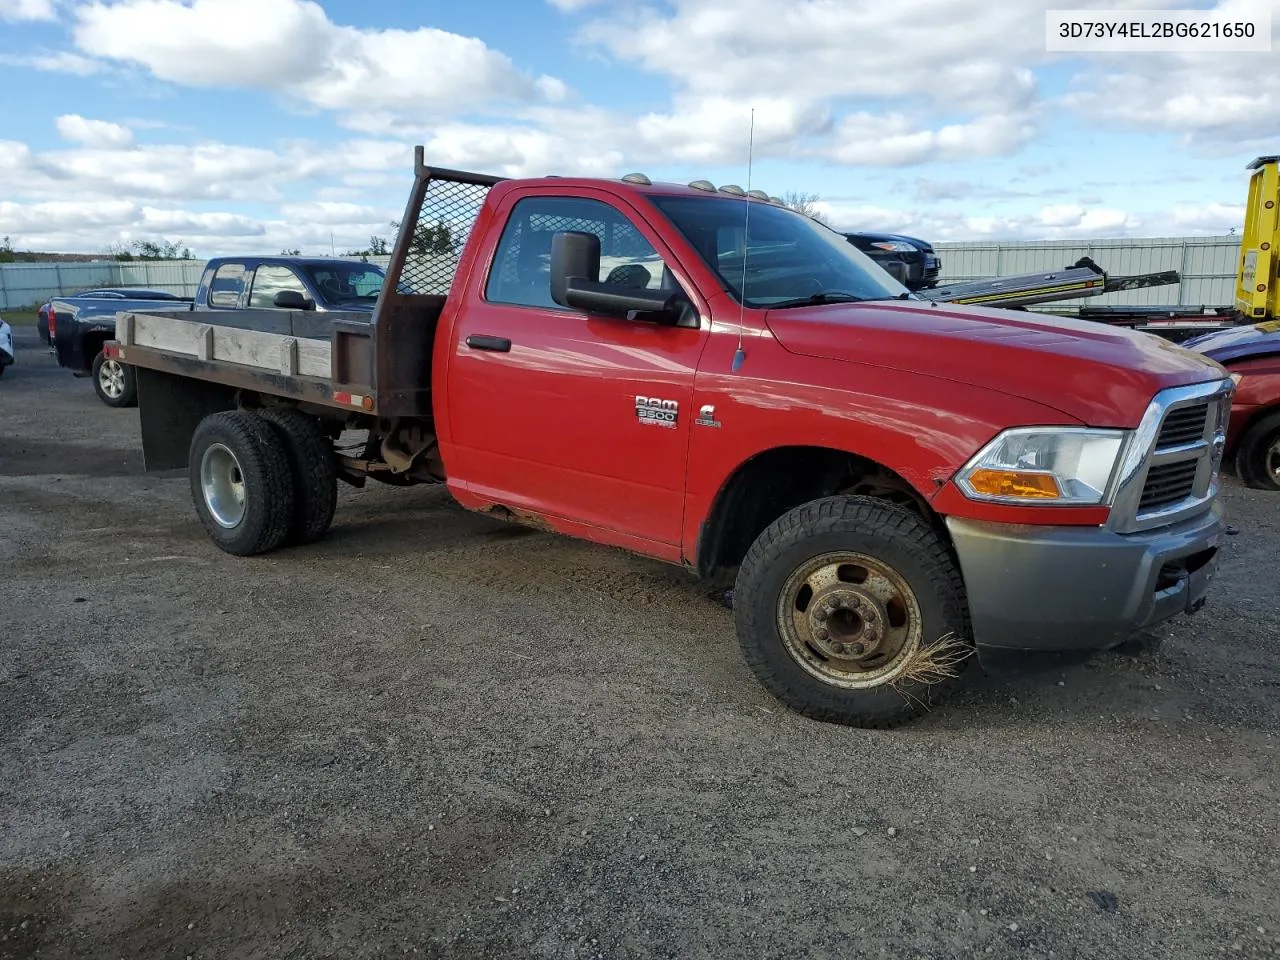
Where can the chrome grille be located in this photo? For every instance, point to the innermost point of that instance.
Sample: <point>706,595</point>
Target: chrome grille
<point>1168,483</point>
<point>1170,471</point>
<point>1182,426</point>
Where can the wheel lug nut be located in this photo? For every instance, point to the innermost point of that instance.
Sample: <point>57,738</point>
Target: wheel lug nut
<point>856,649</point>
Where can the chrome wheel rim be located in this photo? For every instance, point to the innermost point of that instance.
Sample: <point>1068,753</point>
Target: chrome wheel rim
<point>222,485</point>
<point>1273,461</point>
<point>849,620</point>
<point>111,378</point>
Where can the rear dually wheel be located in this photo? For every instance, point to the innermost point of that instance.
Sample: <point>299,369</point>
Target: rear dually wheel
<point>314,471</point>
<point>241,482</point>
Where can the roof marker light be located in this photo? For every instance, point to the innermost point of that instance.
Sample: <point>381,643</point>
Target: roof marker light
<point>706,185</point>
<point>639,178</point>
<point>733,190</point>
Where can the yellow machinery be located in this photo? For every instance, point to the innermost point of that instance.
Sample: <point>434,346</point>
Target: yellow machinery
<point>1256,277</point>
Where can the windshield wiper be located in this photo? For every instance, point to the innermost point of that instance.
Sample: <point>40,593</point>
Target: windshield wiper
<point>817,299</point>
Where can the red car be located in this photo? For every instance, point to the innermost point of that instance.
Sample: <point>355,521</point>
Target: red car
<point>1251,355</point>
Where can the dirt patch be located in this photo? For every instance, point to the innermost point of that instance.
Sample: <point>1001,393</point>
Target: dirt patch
<point>437,734</point>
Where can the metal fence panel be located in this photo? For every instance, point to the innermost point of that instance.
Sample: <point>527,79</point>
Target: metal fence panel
<point>1207,265</point>
<point>27,284</point>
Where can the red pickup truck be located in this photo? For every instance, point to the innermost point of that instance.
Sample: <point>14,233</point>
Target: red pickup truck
<point>703,376</point>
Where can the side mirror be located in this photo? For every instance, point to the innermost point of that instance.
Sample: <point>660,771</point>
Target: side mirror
<point>292,300</point>
<point>896,269</point>
<point>574,256</point>
<point>575,263</point>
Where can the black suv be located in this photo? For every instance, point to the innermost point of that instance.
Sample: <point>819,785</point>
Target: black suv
<point>923,265</point>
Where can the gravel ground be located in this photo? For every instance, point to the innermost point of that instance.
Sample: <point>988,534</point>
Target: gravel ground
<point>433,734</point>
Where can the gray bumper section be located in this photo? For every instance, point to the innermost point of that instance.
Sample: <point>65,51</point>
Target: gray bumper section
<point>1072,588</point>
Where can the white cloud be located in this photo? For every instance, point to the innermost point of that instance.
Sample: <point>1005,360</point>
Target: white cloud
<point>929,80</point>
<point>220,171</point>
<point>929,190</point>
<point>27,10</point>
<point>837,85</point>
<point>933,80</point>
<point>53,61</point>
<point>335,213</point>
<point>1049,222</point>
<point>892,140</point>
<point>292,48</point>
<point>92,133</point>
<point>1215,103</point>
<point>516,150</point>
<point>95,225</point>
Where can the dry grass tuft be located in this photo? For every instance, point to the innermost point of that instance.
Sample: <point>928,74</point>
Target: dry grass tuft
<point>935,662</point>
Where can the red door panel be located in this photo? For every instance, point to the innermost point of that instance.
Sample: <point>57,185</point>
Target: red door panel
<point>551,423</point>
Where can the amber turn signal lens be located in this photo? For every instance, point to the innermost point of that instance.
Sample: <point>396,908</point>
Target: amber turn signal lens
<point>1015,483</point>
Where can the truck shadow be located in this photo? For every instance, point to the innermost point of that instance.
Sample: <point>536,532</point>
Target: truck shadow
<point>1138,683</point>
<point>34,457</point>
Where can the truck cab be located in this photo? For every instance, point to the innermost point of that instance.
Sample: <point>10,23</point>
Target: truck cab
<point>289,283</point>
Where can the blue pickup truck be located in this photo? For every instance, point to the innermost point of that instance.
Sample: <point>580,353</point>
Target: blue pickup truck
<point>79,326</point>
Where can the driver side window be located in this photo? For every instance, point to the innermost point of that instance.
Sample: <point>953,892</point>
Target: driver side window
<point>521,271</point>
<point>271,279</point>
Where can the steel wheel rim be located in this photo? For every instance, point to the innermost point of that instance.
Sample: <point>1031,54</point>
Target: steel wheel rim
<point>111,378</point>
<point>222,485</point>
<point>849,620</point>
<point>1273,461</point>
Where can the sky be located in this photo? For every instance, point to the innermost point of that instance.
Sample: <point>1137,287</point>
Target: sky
<point>243,126</point>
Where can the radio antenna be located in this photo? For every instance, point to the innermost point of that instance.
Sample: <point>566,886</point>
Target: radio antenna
<point>739,355</point>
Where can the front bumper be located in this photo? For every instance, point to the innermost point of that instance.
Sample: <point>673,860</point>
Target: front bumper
<point>922,268</point>
<point>1077,588</point>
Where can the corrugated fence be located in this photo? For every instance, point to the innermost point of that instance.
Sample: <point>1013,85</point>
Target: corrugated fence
<point>23,284</point>
<point>1207,265</point>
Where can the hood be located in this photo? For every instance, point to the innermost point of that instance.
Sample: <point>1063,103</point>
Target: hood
<point>1238,343</point>
<point>877,237</point>
<point>1101,375</point>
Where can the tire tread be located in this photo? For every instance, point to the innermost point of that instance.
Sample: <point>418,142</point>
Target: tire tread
<point>315,475</point>
<point>263,459</point>
<point>834,515</point>
<point>1251,451</point>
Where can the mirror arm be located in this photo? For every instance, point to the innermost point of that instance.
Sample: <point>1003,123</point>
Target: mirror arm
<point>585,294</point>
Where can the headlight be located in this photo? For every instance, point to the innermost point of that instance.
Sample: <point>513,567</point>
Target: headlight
<point>1044,465</point>
<point>894,246</point>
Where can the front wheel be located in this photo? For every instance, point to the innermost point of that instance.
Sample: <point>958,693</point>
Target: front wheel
<point>851,610</point>
<point>1258,456</point>
<point>114,382</point>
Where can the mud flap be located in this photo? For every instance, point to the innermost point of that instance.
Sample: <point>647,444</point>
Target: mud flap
<point>169,410</point>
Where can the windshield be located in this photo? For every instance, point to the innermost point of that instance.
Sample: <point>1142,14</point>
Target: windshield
<point>346,282</point>
<point>791,260</point>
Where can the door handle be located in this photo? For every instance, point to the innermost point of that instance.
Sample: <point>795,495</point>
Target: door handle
<point>480,341</point>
